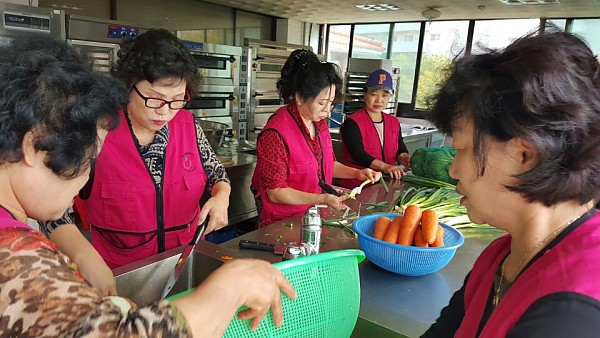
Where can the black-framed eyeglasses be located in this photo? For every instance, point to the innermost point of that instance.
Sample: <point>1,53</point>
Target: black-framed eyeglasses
<point>155,103</point>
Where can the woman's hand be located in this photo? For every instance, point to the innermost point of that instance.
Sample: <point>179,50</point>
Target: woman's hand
<point>216,207</point>
<point>367,173</point>
<point>250,282</point>
<point>394,171</point>
<point>262,290</point>
<point>334,201</point>
<point>404,159</point>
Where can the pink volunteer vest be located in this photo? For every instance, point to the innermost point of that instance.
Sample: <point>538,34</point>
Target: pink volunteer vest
<point>132,218</point>
<point>7,221</point>
<point>572,265</point>
<point>303,166</point>
<point>370,138</point>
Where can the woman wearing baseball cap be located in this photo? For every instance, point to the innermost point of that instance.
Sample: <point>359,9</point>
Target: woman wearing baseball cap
<point>372,139</point>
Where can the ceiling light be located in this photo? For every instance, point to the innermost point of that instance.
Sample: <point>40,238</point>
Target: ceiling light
<point>530,2</point>
<point>379,7</point>
<point>431,14</point>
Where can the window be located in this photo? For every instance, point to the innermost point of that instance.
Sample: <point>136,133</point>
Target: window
<point>409,38</point>
<point>339,46</point>
<point>497,34</point>
<point>404,57</point>
<point>444,40</point>
<point>370,41</point>
<point>588,29</point>
<point>560,23</point>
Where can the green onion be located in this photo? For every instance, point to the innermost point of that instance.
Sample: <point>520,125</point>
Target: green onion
<point>443,200</point>
<point>426,182</point>
<point>385,187</point>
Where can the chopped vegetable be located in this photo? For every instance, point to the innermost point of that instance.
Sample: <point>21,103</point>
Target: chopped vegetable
<point>433,163</point>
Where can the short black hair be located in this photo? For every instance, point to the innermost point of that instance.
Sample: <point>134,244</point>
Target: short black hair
<point>304,74</point>
<point>155,55</point>
<point>544,88</point>
<point>48,89</point>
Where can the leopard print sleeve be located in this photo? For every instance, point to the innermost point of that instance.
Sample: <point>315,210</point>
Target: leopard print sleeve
<point>42,296</point>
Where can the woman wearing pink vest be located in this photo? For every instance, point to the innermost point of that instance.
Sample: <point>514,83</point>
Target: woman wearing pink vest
<point>525,122</point>
<point>54,116</point>
<point>372,138</point>
<point>144,196</point>
<point>294,148</point>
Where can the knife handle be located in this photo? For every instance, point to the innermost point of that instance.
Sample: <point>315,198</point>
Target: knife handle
<point>328,189</point>
<point>246,244</point>
<point>199,232</point>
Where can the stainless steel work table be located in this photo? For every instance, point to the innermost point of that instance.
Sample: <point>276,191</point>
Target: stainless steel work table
<point>391,304</point>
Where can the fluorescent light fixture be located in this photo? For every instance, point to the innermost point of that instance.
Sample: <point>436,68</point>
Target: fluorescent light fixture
<point>379,7</point>
<point>530,2</point>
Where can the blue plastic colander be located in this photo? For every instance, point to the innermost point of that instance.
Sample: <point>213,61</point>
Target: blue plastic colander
<point>402,259</point>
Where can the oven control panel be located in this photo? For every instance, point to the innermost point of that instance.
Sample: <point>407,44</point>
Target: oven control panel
<point>122,32</point>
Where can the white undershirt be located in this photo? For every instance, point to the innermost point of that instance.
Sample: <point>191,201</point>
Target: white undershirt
<point>379,127</point>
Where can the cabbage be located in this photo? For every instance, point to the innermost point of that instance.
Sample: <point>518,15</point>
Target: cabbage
<point>433,163</point>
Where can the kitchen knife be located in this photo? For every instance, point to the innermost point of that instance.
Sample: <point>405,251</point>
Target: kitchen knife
<point>183,258</point>
<point>254,245</point>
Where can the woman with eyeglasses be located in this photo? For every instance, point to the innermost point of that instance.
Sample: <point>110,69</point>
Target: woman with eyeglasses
<point>156,178</point>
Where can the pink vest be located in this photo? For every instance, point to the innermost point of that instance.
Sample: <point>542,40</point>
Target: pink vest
<point>572,265</point>
<point>7,221</point>
<point>371,143</point>
<point>302,172</point>
<point>130,217</point>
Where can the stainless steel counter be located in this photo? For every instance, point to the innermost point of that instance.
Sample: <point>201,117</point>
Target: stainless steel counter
<point>239,161</point>
<point>391,305</point>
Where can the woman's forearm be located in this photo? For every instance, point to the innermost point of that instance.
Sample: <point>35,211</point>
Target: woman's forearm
<point>343,171</point>
<point>294,197</point>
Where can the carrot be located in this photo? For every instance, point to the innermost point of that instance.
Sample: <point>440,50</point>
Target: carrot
<point>408,227</point>
<point>391,235</point>
<point>381,226</point>
<point>429,225</point>
<point>419,241</point>
<point>439,237</point>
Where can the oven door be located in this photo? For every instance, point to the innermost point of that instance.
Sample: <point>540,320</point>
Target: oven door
<point>211,104</point>
<point>214,65</point>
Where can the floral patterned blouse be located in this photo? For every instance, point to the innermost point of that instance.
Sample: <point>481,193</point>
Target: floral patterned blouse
<point>41,295</point>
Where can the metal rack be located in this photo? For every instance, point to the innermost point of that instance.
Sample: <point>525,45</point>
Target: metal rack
<point>260,69</point>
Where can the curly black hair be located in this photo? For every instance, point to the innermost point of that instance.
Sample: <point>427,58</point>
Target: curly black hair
<point>155,55</point>
<point>46,88</point>
<point>304,74</point>
<point>544,88</point>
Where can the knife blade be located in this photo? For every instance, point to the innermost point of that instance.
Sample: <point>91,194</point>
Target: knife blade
<point>254,245</point>
<point>183,258</point>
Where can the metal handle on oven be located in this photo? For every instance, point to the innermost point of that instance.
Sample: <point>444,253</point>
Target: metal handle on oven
<point>258,94</point>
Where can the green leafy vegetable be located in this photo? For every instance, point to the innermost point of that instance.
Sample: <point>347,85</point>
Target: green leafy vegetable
<point>445,202</point>
<point>433,163</point>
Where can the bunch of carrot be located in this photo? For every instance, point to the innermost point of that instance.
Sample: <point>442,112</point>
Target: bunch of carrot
<point>417,227</point>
